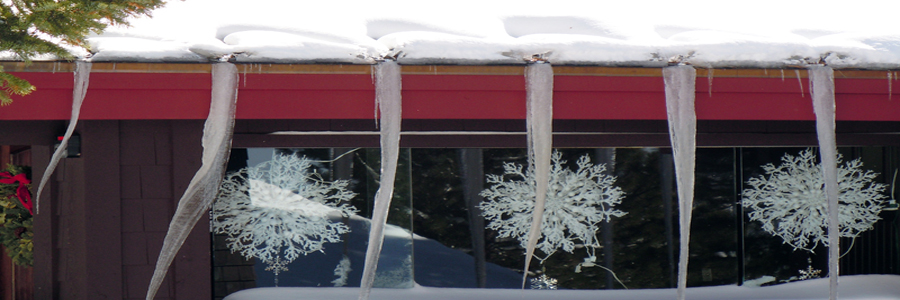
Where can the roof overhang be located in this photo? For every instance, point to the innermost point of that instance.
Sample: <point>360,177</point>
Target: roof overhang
<point>143,91</point>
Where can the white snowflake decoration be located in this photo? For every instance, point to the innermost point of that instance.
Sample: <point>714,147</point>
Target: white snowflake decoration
<point>576,203</point>
<point>809,273</point>
<point>279,207</point>
<point>277,266</point>
<point>790,201</point>
<point>544,282</point>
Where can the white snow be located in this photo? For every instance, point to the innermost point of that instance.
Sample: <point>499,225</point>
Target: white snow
<point>859,287</point>
<point>765,33</point>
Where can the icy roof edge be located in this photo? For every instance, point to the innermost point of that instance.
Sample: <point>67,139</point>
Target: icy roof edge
<point>437,69</point>
<point>798,64</point>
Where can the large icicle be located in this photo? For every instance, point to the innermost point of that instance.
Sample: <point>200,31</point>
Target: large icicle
<point>82,78</point>
<point>539,123</point>
<point>387,99</point>
<point>680,92</point>
<point>198,196</point>
<point>821,85</point>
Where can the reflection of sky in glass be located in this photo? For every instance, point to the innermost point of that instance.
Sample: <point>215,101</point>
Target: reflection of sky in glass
<point>259,155</point>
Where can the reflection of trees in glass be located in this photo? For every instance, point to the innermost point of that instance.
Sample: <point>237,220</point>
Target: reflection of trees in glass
<point>439,207</point>
<point>640,238</point>
<point>367,173</point>
<point>713,232</point>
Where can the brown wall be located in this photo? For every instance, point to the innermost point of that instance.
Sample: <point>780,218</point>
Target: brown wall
<point>101,226</point>
<point>104,216</point>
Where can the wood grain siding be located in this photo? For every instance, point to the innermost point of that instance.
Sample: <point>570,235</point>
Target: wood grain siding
<point>137,145</point>
<point>72,265</point>
<point>46,230</point>
<point>104,215</point>
<point>101,208</point>
<point>192,266</point>
<point>158,160</point>
<point>87,208</point>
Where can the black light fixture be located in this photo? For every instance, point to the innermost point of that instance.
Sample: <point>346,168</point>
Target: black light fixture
<point>73,147</point>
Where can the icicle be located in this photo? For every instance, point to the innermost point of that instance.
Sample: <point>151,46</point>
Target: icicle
<point>709,77</point>
<point>244,75</point>
<point>890,86</point>
<point>799,82</point>
<point>198,196</point>
<point>782,75</point>
<point>539,126</point>
<point>387,99</point>
<point>680,92</point>
<point>82,78</point>
<point>821,86</point>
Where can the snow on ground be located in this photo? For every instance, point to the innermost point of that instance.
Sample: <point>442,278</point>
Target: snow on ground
<point>705,33</point>
<point>860,287</point>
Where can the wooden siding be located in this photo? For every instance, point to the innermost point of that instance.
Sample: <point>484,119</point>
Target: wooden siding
<point>105,214</point>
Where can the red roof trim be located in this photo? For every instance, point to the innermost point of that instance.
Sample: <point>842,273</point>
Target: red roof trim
<point>442,96</point>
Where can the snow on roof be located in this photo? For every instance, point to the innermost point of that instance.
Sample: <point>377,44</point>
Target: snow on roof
<point>763,33</point>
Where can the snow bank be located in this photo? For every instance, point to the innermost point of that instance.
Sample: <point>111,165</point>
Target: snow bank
<point>637,33</point>
<point>861,287</point>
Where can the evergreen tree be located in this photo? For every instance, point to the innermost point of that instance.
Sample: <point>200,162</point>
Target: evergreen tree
<point>33,27</point>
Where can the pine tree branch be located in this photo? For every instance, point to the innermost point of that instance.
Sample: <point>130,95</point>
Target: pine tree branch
<point>30,28</point>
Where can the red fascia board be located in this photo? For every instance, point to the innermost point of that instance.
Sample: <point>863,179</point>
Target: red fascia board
<point>126,96</point>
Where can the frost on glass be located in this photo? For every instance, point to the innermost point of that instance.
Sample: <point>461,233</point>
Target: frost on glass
<point>280,209</point>
<point>577,201</point>
<point>790,202</point>
<point>341,272</point>
<point>82,80</point>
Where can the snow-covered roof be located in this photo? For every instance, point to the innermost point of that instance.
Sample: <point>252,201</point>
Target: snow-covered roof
<point>766,33</point>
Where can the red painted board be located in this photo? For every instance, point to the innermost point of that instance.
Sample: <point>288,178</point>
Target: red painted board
<point>127,96</point>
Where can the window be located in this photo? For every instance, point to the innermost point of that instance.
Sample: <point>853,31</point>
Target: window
<point>434,236</point>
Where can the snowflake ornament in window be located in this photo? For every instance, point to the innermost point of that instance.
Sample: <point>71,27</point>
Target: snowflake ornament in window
<point>279,209</point>
<point>576,203</point>
<point>789,200</point>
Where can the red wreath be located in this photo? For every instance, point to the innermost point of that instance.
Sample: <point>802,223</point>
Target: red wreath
<point>22,191</point>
